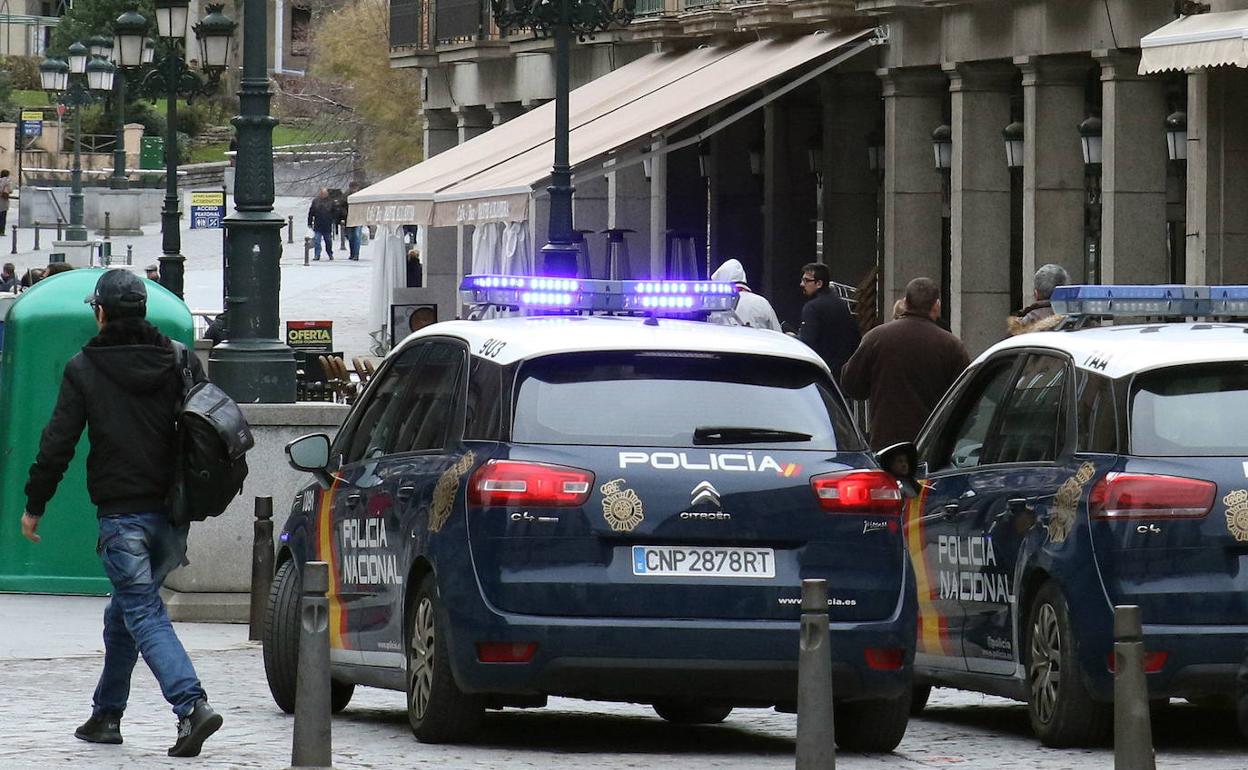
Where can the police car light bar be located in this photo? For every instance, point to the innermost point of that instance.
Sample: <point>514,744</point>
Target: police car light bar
<point>595,295</point>
<point>1171,301</point>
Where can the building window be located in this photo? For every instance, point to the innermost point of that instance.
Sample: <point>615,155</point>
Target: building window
<point>300,30</point>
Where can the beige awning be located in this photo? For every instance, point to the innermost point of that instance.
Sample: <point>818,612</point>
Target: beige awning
<point>491,178</point>
<point>1194,42</point>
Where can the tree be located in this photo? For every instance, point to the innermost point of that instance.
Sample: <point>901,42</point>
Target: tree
<point>85,19</point>
<point>355,89</point>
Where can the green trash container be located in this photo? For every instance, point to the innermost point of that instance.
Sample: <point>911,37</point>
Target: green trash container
<point>152,152</point>
<point>45,327</point>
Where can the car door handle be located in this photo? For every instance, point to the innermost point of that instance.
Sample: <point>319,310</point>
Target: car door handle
<point>353,499</point>
<point>951,511</point>
<point>1019,505</point>
<point>405,493</point>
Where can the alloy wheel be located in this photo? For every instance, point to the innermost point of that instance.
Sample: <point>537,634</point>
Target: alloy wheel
<point>420,658</point>
<point>1045,667</point>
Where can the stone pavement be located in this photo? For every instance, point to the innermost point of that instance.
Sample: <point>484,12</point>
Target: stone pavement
<point>336,291</point>
<point>49,658</point>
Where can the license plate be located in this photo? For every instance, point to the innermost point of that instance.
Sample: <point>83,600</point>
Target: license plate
<point>687,561</point>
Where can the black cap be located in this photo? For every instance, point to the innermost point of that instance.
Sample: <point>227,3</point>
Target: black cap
<point>118,289</point>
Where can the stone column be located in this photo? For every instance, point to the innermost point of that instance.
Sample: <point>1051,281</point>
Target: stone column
<point>1200,153</point>
<point>658,210</point>
<point>1217,214</point>
<point>441,243</point>
<point>979,289</point>
<point>851,113</point>
<point>1053,172</point>
<point>913,107</point>
<point>1133,177</point>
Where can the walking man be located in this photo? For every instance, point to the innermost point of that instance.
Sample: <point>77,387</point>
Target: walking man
<point>827,327</point>
<point>124,387</point>
<point>905,366</point>
<point>322,215</point>
<point>6,192</point>
<point>353,233</point>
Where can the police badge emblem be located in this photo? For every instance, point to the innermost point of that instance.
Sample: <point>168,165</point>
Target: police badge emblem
<point>621,507</point>
<point>444,492</point>
<point>1237,514</point>
<point>1066,503</point>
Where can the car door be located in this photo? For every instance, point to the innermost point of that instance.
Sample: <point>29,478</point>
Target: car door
<point>354,539</point>
<point>951,449</point>
<point>1020,471</point>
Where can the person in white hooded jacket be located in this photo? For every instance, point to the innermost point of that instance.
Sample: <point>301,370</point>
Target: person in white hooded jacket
<point>753,310</point>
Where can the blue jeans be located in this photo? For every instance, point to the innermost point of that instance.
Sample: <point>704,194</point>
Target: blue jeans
<point>353,241</point>
<point>139,550</point>
<point>328,237</point>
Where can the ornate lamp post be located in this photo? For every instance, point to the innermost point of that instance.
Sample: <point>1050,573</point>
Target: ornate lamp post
<point>254,364</point>
<point>561,18</point>
<point>76,93</point>
<point>170,76</point>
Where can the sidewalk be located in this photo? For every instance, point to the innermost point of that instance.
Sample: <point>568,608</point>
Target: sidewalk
<point>337,291</point>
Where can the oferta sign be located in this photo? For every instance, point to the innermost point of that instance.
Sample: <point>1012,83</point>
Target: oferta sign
<point>310,336</point>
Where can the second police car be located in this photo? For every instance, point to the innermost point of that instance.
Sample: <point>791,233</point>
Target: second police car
<point>1067,472</point>
<point>599,506</point>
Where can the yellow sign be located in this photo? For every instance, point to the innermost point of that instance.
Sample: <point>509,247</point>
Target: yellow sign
<point>207,199</point>
<point>32,114</point>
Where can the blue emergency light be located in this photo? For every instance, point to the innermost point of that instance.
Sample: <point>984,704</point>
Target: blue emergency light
<point>595,295</point>
<point>1167,301</point>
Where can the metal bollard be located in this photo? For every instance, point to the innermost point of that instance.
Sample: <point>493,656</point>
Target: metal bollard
<point>60,230</point>
<point>307,249</point>
<point>312,745</point>
<point>290,229</point>
<point>36,248</point>
<point>261,566</point>
<point>129,253</point>
<point>108,215</point>
<point>13,248</point>
<point>816,734</point>
<point>1133,732</point>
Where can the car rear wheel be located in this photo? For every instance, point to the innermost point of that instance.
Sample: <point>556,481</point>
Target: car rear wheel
<point>692,712</point>
<point>280,639</point>
<point>872,725</point>
<point>439,712</point>
<point>1062,712</point>
<point>918,698</point>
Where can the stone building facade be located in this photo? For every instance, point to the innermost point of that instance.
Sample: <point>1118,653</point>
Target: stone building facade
<point>844,169</point>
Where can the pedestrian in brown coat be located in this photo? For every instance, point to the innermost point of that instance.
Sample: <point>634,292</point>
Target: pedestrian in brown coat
<point>904,367</point>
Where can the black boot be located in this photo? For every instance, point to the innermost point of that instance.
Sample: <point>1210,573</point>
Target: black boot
<point>194,729</point>
<point>100,728</point>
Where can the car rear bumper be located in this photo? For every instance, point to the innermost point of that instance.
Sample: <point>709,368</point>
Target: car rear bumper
<point>1201,661</point>
<point>742,663</point>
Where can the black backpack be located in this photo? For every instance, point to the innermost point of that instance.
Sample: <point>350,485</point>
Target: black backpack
<point>213,439</point>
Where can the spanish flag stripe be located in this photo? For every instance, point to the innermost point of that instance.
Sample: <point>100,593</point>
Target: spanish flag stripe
<point>933,631</point>
<point>326,552</point>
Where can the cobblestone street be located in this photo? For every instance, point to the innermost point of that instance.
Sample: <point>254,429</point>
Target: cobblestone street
<point>47,681</point>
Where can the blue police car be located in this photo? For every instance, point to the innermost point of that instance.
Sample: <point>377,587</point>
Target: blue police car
<point>614,507</point>
<point>1070,471</point>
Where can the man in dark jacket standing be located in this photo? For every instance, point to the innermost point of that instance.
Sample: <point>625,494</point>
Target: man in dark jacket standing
<point>827,327</point>
<point>124,387</point>
<point>905,366</point>
<point>322,215</point>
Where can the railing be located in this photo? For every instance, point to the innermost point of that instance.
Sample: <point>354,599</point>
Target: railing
<point>697,5</point>
<point>652,8</point>
<point>412,24</point>
<point>95,143</point>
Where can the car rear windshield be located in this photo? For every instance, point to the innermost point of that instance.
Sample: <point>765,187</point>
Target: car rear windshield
<point>679,399</point>
<point>1191,411</point>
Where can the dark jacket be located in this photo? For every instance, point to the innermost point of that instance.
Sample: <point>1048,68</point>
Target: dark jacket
<point>124,389</point>
<point>1034,318</point>
<point>904,367</point>
<point>8,283</point>
<point>322,214</point>
<point>829,329</point>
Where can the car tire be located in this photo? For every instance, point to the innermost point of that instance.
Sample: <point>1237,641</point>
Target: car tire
<point>692,712</point>
<point>280,639</point>
<point>874,726</point>
<point>918,698</point>
<point>1062,712</point>
<point>438,711</point>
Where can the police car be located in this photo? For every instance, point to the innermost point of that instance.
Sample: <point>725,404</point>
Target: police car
<point>1070,471</point>
<point>613,506</point>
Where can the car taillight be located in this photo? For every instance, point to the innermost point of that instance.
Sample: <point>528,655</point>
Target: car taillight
<point>871,492</point>
<point>506,483</point>
<point>1141,496</point>
<point>506,652</point>
<point>884,658</point>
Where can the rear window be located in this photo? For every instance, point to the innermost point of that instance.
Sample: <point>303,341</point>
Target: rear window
<point>679,400</point>
<point>1185,411</point>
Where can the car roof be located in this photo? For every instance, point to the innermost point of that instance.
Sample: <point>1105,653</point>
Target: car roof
<point>528,337</point>
<point>1120,351</point>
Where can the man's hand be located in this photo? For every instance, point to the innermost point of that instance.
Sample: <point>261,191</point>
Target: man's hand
<point>29,525</point>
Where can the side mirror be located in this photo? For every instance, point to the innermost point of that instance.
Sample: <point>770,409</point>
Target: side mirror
<point>311,454</point>
<point>901,461</point>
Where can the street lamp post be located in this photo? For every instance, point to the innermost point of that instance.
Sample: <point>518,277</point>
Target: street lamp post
<point>561,18</point>
<point>76,93</point>
<point>171,77</point>
<point>102,46</point>
<point>253,364</point>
